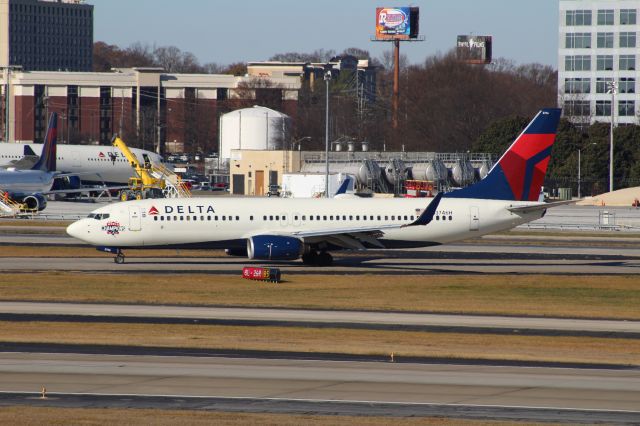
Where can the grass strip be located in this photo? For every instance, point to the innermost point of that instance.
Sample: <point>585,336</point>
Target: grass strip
<point>331,340</point>
<point>540,295</point>
<point>120,417</point>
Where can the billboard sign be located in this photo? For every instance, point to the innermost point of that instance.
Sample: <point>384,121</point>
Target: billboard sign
<point>474,49</point>
<point>396,23</point>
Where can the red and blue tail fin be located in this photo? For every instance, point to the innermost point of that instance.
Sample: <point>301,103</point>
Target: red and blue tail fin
<point>519,173</point>
<point>47,161</point>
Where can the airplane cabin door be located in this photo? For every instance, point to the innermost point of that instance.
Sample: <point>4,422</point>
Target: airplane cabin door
<point>75,159</point>
<point>474,215</point>
<point>135,221</point>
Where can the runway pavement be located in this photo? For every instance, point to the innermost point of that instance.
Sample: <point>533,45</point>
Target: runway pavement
<point>315,318</point>
<point>391,389</point>
<point>405,263</point>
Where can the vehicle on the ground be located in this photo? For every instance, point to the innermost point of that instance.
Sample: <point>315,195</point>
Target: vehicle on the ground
<point>279,229</point>
<point>274,191</point>
<point>220,186</point>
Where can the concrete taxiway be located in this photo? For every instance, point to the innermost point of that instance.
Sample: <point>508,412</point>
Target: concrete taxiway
<point>596,394</point>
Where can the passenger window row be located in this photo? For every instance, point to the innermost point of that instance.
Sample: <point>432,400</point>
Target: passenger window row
<point>194,218</point>
<point>310,218</point>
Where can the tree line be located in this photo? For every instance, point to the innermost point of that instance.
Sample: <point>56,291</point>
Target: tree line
<point>445,106</point>
<point>590,144</point>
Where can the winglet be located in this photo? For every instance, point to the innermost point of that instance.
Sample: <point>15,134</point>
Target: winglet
<point>427,215</point>
<point>344,186</point>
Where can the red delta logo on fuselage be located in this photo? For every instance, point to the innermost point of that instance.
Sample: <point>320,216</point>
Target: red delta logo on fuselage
<point>188,209</point>
<point>153,210</point>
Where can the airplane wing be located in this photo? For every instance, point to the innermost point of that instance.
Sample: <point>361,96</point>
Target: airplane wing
<point>24,163</point>
<point>356,237</point>
<point>537,207</point>
<point>85,189</point>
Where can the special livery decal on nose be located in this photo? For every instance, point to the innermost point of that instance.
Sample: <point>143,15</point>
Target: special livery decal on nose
<point>113,228</point>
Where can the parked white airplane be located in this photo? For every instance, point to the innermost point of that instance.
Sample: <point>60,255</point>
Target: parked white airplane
<point>286,229</point>
<point>95,164</point>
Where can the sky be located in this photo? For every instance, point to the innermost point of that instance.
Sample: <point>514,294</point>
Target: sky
<point>224,32</point>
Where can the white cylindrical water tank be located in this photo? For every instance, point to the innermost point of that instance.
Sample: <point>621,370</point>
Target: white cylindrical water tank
<point>257,128</point>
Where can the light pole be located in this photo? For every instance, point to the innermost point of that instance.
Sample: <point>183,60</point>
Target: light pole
<point>579,161</point>
<point>327,78</point>
<point>612,89</point>
<point>579,166</point>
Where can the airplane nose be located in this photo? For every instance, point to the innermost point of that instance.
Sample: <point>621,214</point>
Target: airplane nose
<point>77,230</point>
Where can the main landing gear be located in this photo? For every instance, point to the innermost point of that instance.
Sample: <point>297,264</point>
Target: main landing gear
<point>119,259</point>
<point>314,258</point>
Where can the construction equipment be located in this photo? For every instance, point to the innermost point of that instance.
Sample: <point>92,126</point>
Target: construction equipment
<point>152,180</point>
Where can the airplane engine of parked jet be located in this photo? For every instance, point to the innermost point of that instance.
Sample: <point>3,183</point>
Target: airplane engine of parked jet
<point>35,202</point>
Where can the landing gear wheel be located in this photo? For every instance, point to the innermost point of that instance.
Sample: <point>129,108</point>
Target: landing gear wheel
<point>310,258</point>
<point>324,259</point>
<point>119,259</point>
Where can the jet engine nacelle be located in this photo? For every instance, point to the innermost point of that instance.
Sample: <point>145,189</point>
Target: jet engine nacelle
<point>274,247</point>
<point>35,202</point>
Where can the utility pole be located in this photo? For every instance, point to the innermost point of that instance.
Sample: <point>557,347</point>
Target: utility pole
<point>7,97</point>
<point>327,78</point>
<point>396,83</point>
<point>63,116</point>
<point>612,88</point>
<point>7,73</point>
<point>158,148</point>
<point>579,173</point>
<point>121,111</point>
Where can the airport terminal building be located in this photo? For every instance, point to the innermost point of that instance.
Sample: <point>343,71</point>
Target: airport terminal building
<point>598,48</point>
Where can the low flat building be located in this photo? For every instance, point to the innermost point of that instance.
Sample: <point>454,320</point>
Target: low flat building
<point>144,105</point>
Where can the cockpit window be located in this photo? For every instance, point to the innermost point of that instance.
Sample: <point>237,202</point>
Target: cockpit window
<point>98,216</point>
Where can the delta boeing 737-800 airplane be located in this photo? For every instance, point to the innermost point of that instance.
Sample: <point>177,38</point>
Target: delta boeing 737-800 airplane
<point>287,229</point>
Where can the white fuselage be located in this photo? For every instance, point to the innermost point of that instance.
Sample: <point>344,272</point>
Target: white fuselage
<point>217,222</point>
<point>95,163</point>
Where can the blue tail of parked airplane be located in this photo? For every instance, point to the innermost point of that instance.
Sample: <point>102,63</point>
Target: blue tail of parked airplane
<point>519,174</point>
<point>47,161</point>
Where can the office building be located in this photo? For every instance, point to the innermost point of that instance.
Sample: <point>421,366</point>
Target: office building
<point>598,48</point>
<point>41,35</point>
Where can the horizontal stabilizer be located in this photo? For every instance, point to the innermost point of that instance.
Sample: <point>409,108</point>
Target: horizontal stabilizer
<point>538,207</point>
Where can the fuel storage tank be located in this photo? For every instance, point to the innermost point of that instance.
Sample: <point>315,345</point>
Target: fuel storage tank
<point>256,128</point>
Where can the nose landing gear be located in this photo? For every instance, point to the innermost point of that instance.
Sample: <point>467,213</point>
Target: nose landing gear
<point>119,259</point>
